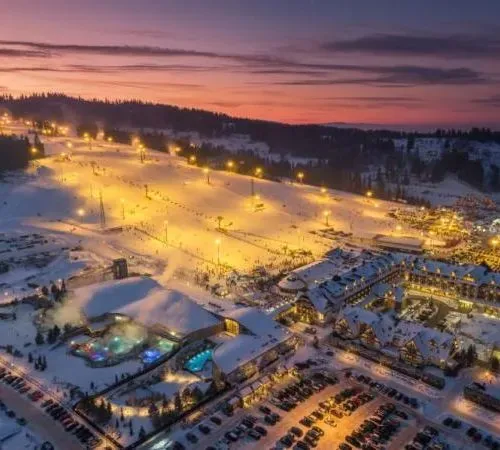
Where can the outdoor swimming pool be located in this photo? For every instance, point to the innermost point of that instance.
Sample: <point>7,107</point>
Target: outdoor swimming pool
<point>197,362</point>
<point>157,350</point>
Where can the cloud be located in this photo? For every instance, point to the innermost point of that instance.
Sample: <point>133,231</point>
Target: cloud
<point>493,101</point>
<point>401,76</point>
<point>85,68</point>
<point>451,46</point>
<point>130,50</point>
<point>377,99</point>
<point>319,73</point>
<point>22,53</point>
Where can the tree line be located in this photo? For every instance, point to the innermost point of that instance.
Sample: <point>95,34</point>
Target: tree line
<point>15,152</point>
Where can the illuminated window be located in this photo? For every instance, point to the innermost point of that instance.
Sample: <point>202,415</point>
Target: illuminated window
<point>232,326</point>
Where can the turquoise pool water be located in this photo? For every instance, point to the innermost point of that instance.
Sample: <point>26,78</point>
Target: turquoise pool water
<point>197,362</point>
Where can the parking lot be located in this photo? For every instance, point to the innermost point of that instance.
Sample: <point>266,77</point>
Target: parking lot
<point>65,426</point>
<point>314,411</point>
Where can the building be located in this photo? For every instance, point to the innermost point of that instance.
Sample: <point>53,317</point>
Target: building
<point>411,342</point>
<point>231,346</point>
<point>469,282</point>
<point>319,295</point>
<point>256,342</point>
<point>320,301</point>
<point>400,244</point>
<point>166,312</point>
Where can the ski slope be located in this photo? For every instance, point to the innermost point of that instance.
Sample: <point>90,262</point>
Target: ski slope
<point>178,219</point>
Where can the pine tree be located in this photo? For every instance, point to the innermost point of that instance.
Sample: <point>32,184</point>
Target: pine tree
<point>39,340</point>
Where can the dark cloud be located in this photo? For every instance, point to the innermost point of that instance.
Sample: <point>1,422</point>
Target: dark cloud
<point>84,68</point>
<point>295,72</point>
<point>402,76</point>
<point>22,53</point>
<point>452,46</point>
<point>493,101</point>
<point>130,50</point>
<point>377,75</point>
<point>377,99</point>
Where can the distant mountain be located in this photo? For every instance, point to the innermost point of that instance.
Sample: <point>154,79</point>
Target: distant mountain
<point>429,128</point>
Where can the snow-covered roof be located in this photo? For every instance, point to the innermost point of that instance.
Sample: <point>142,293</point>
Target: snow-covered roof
<point>171,310</point>
<point>146,302</point>
<point>265,335</point>
<point>355,317</point>
<point>254,320</point>
<point>98,299</point>
<point>433,344</point>
<point>308,275</point>
<point>478,274</point>
<point>400,242</point>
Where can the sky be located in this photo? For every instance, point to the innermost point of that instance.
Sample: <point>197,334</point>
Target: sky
<point>389,62</point>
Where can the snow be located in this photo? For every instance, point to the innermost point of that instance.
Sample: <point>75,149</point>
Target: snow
<point>180,194</point>
<point>170,309</point>
<point>8,429</point>
<point>265,335</point>
<point>308,275</point>
<point>98,299</point>
<point>63,369</point>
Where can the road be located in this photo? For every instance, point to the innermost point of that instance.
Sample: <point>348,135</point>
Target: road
<point>41,423</point>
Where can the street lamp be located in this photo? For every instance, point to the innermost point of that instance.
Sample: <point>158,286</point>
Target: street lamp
<point>258,172</point>
<point>323,190</point>
<point>69,144</point>
<point>80,212</point>
<point>206,171</point>
<point>217,243</point>
<point>369,194</point>
<point>326,214</point>
<point>34,150</point>
<point>192,159</point>
<point>122,201</point>
<point>300,176</point>
<point>110,138</point>
<point>230,165</point>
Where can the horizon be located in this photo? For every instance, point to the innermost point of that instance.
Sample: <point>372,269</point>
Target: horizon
<point>387,66</point>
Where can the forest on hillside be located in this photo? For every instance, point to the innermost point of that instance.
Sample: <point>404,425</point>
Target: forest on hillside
<point>347,158</point>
